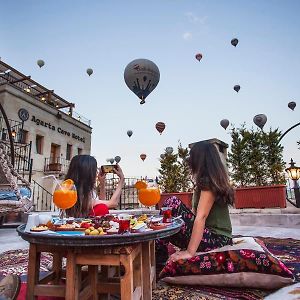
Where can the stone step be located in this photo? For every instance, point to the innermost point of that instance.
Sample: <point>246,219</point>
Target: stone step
<point>266,219</point>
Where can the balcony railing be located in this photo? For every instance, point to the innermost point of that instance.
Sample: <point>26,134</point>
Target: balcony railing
<point>56,165</point>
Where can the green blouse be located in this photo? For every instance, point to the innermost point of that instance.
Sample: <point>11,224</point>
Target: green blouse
<point>218,220</point>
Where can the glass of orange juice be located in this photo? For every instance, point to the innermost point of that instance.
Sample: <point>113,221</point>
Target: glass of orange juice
<point>149,196</point>
<point>65,196</point>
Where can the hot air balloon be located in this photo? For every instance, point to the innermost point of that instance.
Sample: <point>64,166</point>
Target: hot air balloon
<point>40,63</point>
<point>169,150</point>
<point>237,88</point>
<point>141,76</point>
<point>260,120</point>
<point>224,123</point>
<point>234,42</point>
<point>143,156</point>
<point>108,160</point>
<point>162,156</point>
<point>292,105</point>
<point>89,71</point>
<point>117,159</point>
<point>160,127</point>
<point>111,160</point>
<point>129,133</point>
<point>198,56</point>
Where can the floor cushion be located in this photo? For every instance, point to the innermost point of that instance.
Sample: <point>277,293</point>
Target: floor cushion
<point>247,263</point>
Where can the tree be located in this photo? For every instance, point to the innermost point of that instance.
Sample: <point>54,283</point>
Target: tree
<point>256,157</point>
<point>273,157</point>
<point>174,172</point>
<point>185,178</point>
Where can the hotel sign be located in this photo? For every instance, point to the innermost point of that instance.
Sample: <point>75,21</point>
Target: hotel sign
<point>23,114</point>
<point>58,129</point>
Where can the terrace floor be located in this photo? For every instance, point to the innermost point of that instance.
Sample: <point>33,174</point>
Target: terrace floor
<point>9,239</point>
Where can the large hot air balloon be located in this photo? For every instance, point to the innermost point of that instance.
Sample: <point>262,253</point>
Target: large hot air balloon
<point>260,120</point>
<point>141,76</point>
<point>292,105</point>
<point>169,150</point>
<point>129,133</point>
<point>89,71</point>
<point>198,56</point>
<point>40,63</point>
<point>143,156</point>
<point>117,159</point>
<point>237,88</point>
<point>162,156</point>
<point>160,127</point>
<point>224,123</point>
<point>111,160</point>
<point>234,42</point>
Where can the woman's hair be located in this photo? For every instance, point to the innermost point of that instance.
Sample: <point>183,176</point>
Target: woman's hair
<point>209,172</point>
<point>83,171</point>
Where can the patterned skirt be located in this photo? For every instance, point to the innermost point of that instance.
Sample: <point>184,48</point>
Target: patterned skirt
<point>210,240</point>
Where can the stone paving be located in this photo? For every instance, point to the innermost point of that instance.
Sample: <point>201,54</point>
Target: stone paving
<point>10,240</point>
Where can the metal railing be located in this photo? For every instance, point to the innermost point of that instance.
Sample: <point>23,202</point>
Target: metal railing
<point>56,165</point>
<point>23,160</point>
<point>76,115</point>
<point>42,199</point>
<point>16,128</point>
<point>129,195</point>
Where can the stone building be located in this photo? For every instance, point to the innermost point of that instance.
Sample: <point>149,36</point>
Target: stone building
<point>221,146</point>
<point>47,131</point>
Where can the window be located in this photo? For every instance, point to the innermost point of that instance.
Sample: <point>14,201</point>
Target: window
<point>23,136</point>
<point>39,140</point>
<point>69,152</point>
<point>79,152</point>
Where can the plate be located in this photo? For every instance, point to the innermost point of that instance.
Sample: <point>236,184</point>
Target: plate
<point>70,232</point>
<point>158,226</point>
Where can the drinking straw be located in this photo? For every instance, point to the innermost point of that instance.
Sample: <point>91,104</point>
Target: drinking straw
<point>52,176</point>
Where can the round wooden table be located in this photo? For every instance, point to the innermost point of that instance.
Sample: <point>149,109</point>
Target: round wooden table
<point>134,251</point>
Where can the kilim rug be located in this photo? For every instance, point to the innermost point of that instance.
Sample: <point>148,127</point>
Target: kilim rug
<point>288,250</point>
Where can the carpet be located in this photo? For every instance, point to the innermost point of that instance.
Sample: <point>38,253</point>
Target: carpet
<point>287,250</point>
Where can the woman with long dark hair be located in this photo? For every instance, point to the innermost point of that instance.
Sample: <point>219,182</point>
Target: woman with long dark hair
<point>208,226</point>
<point>83,171</point>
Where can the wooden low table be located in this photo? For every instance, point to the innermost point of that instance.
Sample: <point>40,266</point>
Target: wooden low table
<point>134,252</point>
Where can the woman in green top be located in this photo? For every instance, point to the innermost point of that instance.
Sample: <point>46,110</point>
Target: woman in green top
<point>208,226</point>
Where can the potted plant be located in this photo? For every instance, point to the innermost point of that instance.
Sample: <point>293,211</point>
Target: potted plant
<point>174,178</point>
<point>257,168</point>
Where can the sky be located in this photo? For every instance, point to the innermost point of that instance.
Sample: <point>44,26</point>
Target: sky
<point>191,98</point>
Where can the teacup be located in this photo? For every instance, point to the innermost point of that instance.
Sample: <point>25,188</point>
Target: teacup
<point>124,216</point>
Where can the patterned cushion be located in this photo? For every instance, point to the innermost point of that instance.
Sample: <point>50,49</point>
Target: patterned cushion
<point>10,195</point>
<point>247,263</point>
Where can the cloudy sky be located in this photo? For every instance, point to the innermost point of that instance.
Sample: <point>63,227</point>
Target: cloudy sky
<point>191,97</point>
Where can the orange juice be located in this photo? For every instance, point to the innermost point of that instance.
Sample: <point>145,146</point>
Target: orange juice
<point>64,199</point>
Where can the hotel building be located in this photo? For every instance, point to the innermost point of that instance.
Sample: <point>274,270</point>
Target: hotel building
<point>46,130</point>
